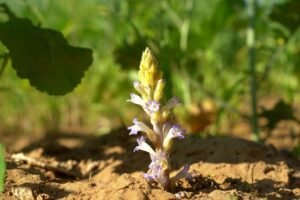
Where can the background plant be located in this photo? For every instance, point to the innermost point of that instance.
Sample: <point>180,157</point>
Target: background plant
<point>200,44</point>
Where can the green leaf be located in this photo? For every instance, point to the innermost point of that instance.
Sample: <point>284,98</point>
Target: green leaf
<point>287,14</point>
<point>2,168</point>
<point>44,57</point>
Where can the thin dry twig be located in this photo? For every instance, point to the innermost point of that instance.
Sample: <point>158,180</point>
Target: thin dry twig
<point>61,167</point>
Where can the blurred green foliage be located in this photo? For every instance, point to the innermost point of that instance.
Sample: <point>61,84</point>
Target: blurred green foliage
<point>200,46</point>
<point>43,56</point>
<point>2,168</point>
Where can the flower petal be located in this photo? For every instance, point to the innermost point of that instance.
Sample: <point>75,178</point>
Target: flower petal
<point>156,167</point>
<point>175,131</point>
<point>172,103</point>
<point>133,130</point>
<point>139,126</point>
<point>142,145</point>
<point>152,106</point>
<point>136,99</point>
<point>149,177</point>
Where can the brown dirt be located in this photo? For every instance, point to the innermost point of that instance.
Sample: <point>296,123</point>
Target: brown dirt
<point>106,168</point>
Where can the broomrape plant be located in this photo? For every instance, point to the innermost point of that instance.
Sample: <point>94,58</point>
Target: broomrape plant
<point>150,88</point>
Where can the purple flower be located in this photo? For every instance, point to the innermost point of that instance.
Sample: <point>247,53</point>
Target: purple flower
<point>152,106</point>
<point>157,166</point>
<point>149,107</point>
<point>175,131</point>
<point>154,173</point>
<point>142,145</point>
<point>139,126</point>
<point>149,177</point>
<point>171,132</point>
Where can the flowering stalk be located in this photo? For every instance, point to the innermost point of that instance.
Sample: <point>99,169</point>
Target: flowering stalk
<point>150,88</point>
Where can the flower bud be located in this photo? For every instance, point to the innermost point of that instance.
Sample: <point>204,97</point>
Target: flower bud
<point>149,74</point>
<point>158,92</point>
<point>166,115</point>
<point>140,88</point>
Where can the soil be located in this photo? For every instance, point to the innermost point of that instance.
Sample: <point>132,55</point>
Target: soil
<point>105,167</point>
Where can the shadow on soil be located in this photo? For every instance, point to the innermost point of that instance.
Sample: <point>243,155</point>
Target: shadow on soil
<point>75,146</point>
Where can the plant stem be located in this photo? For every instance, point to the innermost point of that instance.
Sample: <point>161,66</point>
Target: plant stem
<point>167,184</point>
<point>251,7</point>
<point>4,63</point>
<point>185,25</point>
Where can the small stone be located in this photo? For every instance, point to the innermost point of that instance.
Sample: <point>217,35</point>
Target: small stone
<point>43,196</point>
<point>23,193</point>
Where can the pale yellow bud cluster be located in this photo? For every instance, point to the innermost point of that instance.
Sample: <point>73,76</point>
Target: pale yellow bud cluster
<point>149,75</point>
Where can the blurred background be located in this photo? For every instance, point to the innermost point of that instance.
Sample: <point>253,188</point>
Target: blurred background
<point>200,46</point>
